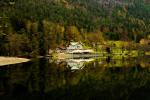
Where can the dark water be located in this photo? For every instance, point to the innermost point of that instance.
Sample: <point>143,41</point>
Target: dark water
<point>77,79</point>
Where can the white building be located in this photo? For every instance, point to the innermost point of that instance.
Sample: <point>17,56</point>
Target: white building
<point>76,47</point>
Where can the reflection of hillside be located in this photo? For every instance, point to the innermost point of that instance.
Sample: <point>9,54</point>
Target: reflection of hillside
<point>56,81</point>
<point>76,64</point>
<point>130,62</point>
<point>145,62</point>
<point>119,63</point>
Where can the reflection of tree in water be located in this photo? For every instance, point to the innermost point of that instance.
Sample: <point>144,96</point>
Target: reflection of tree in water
<point>56,81</point>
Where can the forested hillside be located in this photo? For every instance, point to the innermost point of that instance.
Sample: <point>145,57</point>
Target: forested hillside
<point>32,27</point>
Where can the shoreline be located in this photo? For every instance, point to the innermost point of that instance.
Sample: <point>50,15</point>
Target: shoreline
<point>12,60</point>
<point>114,55</point>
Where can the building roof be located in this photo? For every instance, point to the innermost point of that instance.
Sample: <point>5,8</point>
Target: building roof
<point>74,43</point>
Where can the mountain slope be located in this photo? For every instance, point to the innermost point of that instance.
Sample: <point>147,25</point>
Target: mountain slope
<point>59,21</point>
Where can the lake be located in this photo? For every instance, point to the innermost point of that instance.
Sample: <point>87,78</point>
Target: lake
<point>77,79</point>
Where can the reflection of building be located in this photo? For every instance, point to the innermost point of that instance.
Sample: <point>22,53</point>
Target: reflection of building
<point>76,64</point>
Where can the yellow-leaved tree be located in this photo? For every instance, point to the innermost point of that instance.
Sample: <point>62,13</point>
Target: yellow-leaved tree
<point>72,33</point>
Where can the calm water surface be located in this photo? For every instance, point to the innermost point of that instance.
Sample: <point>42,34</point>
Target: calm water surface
<point>77,79</point>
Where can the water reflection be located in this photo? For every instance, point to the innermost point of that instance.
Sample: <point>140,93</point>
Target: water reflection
<point>72,79</point>
<point>78,64</point>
